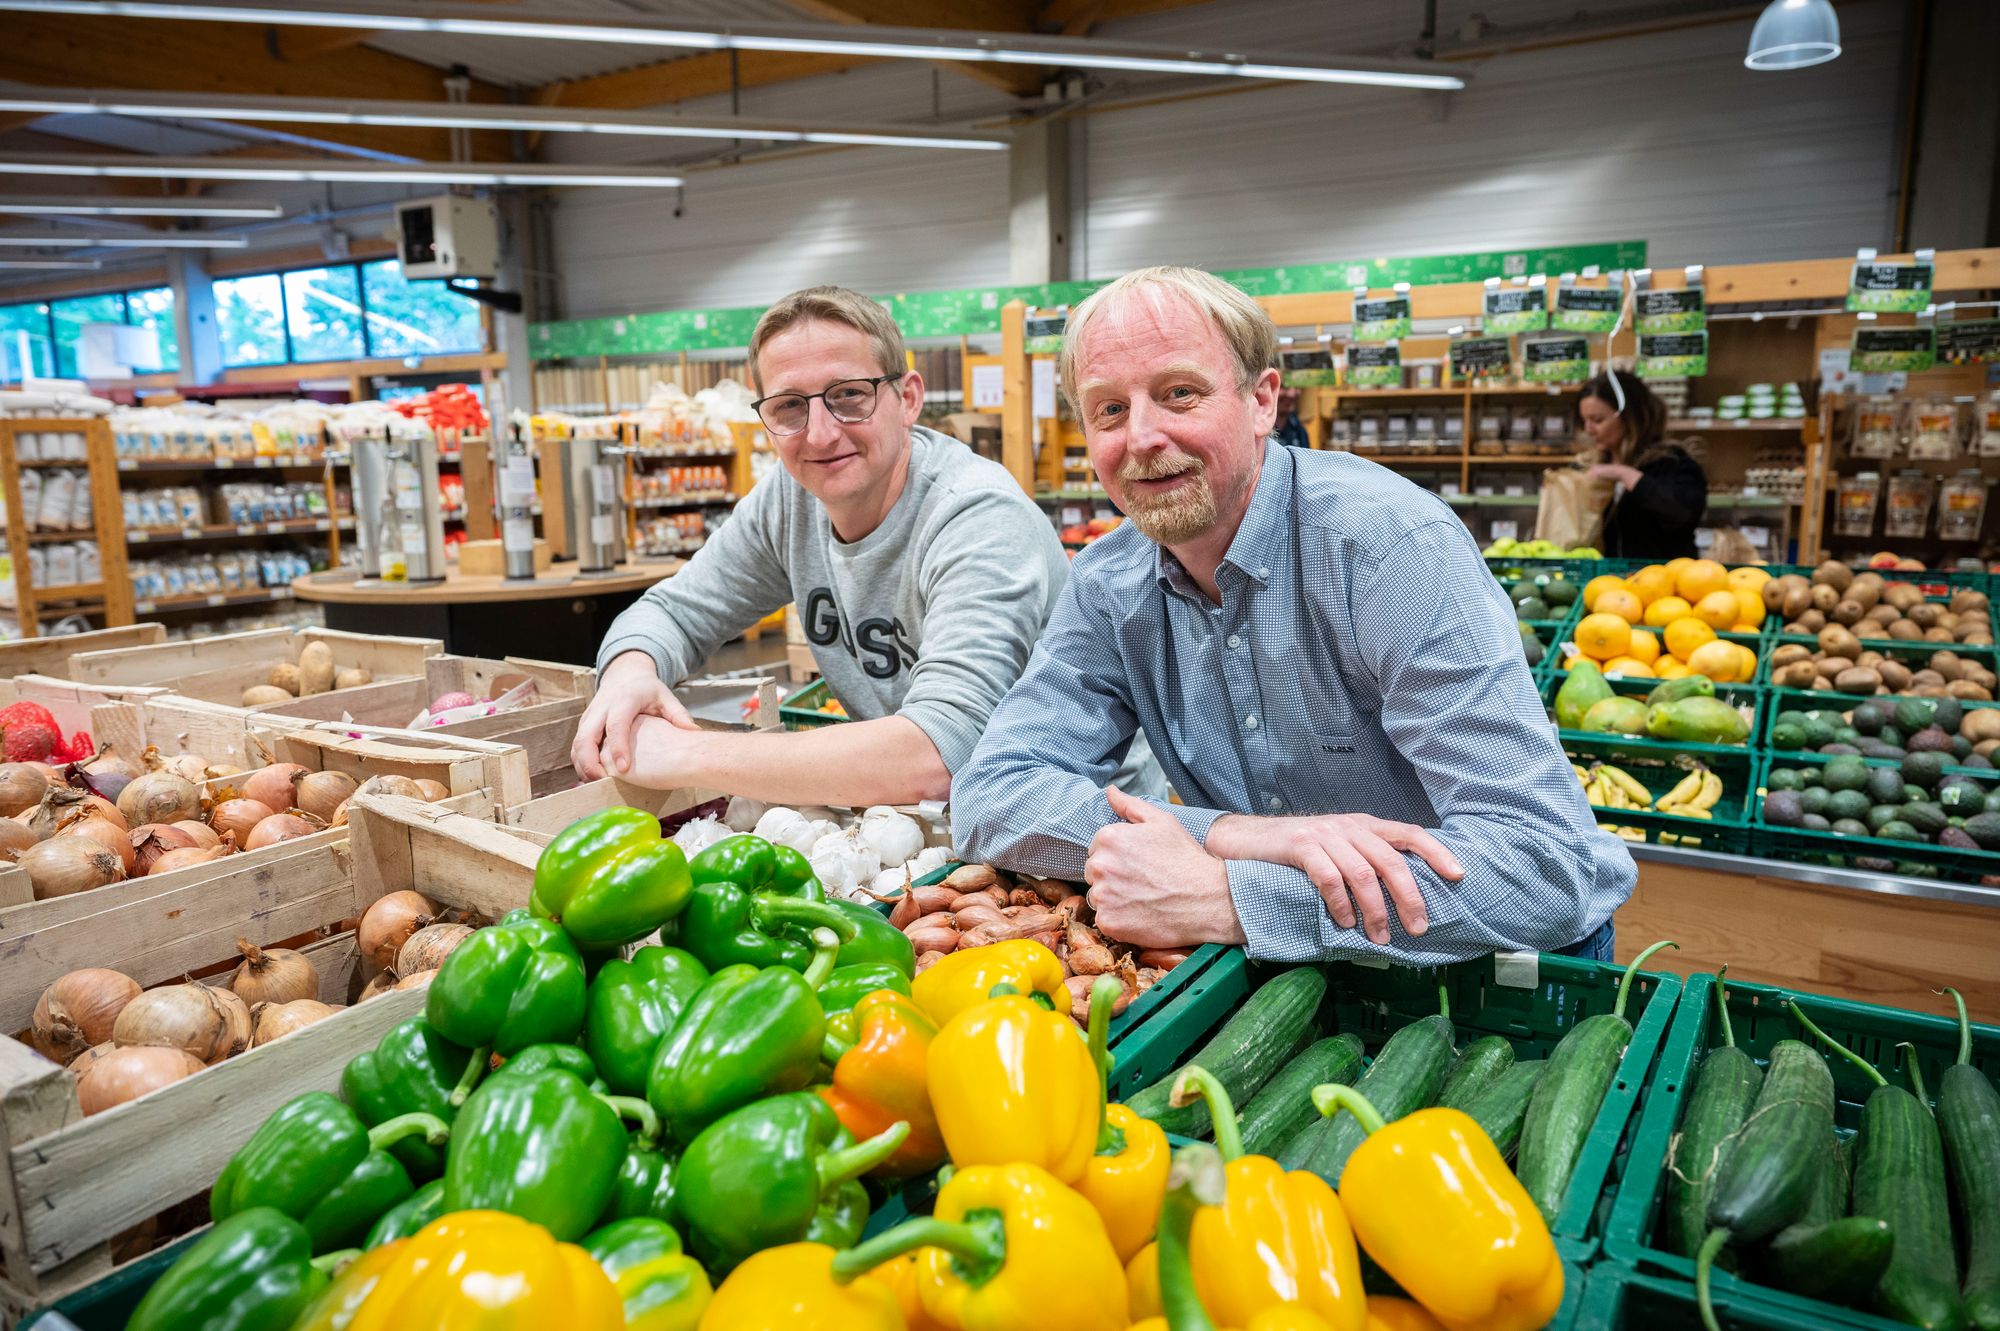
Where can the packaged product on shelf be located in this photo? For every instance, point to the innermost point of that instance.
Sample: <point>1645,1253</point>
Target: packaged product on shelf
<point>1909,512</point>
<point>1855,500</point>
<point>62,566</point>
<point>1556,432</point>
<point>89,562</point>
<point>1875,429</point>
<point>1987,442</point>
<point>1395,433</point>
<point>1340,434</point>
<point>1962,506</point>
<point>1368,432</point>
<point>1521,431</point>
<point>1490,437</point>
<point>1934,429</point>
<point>56,508</point>
<point>1424,432</point>
<point>1451,438</point>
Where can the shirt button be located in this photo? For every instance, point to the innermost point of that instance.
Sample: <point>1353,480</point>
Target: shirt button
<point>1276,803</point>
<point>1263,573</point>
<point>1250,721</point>
<point>1235,641</point>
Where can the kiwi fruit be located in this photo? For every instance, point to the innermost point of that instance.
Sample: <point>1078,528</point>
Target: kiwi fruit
<point>1798,600</point>
<point>1895,675</point>
<point>1812,621</point>
<point>1836,640</point>
<point>1795,675</point>
<point>1790,652</point>
<point>1938,634</point>
<point>1904,631</point>
<point>1829,665</point>
<point>1903,595</point>
<point>1833,574</point>
<point>1884,614</point>
<point>1847,613</point>
<point>1824,598</point>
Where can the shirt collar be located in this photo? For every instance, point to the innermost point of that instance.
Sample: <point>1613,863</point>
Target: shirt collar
<point>1262,540</point>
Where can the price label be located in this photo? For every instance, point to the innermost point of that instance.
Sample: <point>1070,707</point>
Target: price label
<point>1900,288</point>
<point>139,536</point>
<point>277,528</point>
<point>225,464</point>
<point>1514,309</point>
<point>190,533</point>
<point>248,529</point>
<point>1515,491</point>
<point>1481,357</point>
<point>142,607</point>
<point>1510,530</point>
<point>216,598</point>
<point>1682,311</point>
<point>1889,350</point>
<point>1587,309</point>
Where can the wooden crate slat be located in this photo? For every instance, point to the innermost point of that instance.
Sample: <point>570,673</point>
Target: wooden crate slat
<point>50,656</point>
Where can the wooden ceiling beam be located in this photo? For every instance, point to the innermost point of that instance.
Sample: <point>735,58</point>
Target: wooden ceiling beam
<point>980,15</point>
<point>665,82</point>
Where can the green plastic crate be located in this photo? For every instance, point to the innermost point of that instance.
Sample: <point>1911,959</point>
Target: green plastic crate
<point>1507,567</point>
<point>1531,999</point>
<point>1617,1299</point>
<point>1779,701</point>
<point>800,711</point>
<point>1758,1020</point>
<point>1918,859</point>
<point>1738,695</point>
<point>1728,826</point>
<point>107,1304</point>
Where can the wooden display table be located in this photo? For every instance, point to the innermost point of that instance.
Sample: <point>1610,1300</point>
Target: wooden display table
<point>559,615</point>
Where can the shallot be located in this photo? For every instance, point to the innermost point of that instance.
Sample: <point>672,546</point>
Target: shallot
<point>78,1009</point>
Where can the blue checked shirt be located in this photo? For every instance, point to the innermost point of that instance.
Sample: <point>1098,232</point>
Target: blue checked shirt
<point>1362,661</point>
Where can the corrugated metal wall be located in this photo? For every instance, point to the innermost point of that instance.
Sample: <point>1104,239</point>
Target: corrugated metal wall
<point>1664,137</point>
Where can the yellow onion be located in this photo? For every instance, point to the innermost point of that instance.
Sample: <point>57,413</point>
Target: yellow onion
<point>429,946</point>
<point>14,837</point>
<point>272,786</point>
<point>195,1018</point>
<point>65,865</point>
<point>109,762</point>
<point>282,827</point>
<point>421,980</point>
<point>188,766</point>
<point>378,986</point>
<point>388,923</point>
<point>183,859</point>
<point>130,1072</point>
<point>274,1021</point>
<point>433,791</point>
<point>152,841</point>
<point>391,785</point>
<point>78,1010</point>
<point>21,787</point>
<point>159,797</point>
<point>273,975</point>
<point>200,834</point>
<point>59,804</point>
<point>83,1062</point>
<point>106,834</point>
<point>239,816</point>
<point>339,818</point>
<point>320,793</point>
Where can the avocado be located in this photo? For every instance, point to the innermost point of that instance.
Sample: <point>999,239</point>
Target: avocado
<point>1915,794</point>
<point>1687,686</point>
<point>1881,815</point>
<point>1532,608</point>
<point>1923,769</point>
<point>1884,785</point>
<point>1848,804</point>
<point>1785,778</point>
<point>1914,713</point>
<point>1813,822</point>
<point>1524,591</point>
<point>1559,591</point>
<point>1978,761</point>
<point>1813,799</point>
<point>1850,827</point>
<point>1925,816</point>
<point>1914,869</point>
<point>1812,776</point>
<point>1532,649</point>
<point>1846,773</point>
<point>1898,830</point>
<point>1992,802</point>
<point>1961,747</point>
<point>1929,740</point>
<point>1788,735</point>
<point>1891,735</point>
<point>1984,829</point>
<point>1847,735</point>
<point>1874,748</point>
<point>1956,838</point>
<point>1782,809</point>
<point>1820,732</point>
<point>1948,715</point>
<point>1838,750</point>
<point>1868,719</point>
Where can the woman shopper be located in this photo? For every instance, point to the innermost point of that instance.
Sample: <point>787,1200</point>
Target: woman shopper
<point>1662,489</point>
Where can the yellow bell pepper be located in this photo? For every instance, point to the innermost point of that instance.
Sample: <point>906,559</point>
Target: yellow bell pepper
<point>1276,1238</point>
<point>792,1289</point>
<point>965,979</point>
<point>1008,1248</point>
<point>471,1271</point>
<point>1127,1178</point>
<point>901,1275</point>
<point>1011,1082</point>
<point>1142,1281</point>
<point>1284,1317</point>
<point>1435,1205</point>
<point>1387,1313</point>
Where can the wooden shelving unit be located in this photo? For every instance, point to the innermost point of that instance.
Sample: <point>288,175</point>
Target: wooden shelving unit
<point>110,596</point>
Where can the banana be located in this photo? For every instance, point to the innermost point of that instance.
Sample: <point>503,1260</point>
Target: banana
<point>1688,787</point>
<point>1711,791</point>
<point>1641,797</point>
<point>1631,833</point>
<point>1687,811</point>
<point>1596,792</point>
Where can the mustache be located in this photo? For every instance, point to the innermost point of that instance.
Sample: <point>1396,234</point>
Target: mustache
<point>1161,468</point>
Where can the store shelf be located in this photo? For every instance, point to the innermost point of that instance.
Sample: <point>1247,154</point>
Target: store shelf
<point>1747,501</point>
<point>261,596</point>
<point>685,501</point>
<point>1790,425</point>
<point>75,591</point>
<point>80,534</point>
<point>228,531</point>
<point>1070,494</point>
<point>689,451</point>
<point>669,551</point>
<point>147,465</point>
<point>1521,459</point>
<point>1414,459</point>
<point>30,464</point>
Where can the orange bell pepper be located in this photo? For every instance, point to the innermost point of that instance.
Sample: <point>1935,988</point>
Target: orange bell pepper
<point>880,1081</point>
<point>1127,1178</point>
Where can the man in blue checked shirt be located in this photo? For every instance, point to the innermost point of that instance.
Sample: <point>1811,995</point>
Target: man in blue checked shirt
<point>1317,654</point>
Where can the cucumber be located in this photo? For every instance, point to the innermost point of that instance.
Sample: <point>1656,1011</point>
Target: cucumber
<point>1968,1118</point>
<point>1404,1077</point>
<point>1899,1177</point>
<point>1499,1109</point>
<point>1724,1089</point>
<point>1827,1253</point>
<point>1477,1066</point>
<point>1277,1112</point>
<point>1273,1024</point>
<point>1567,1098</point>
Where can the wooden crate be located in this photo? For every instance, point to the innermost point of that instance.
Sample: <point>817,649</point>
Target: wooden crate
<point>541,818</point>
<point>74,705</point>
<point>461,763</point>
<point>218,669</point>
<point>69,1184</point>
<point>50,656</point>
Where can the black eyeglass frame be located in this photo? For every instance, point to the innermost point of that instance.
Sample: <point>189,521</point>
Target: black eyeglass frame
<point>874,406</point>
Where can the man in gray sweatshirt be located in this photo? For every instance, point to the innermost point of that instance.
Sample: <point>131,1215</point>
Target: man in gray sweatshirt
<point>922,572</point>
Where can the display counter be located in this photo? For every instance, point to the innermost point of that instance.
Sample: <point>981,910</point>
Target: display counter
<point>558,615</point>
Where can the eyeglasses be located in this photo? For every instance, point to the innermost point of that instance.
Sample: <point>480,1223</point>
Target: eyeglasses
<point>850,402</point>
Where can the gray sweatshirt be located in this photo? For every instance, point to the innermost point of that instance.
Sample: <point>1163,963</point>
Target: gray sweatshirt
<point>930,616</point>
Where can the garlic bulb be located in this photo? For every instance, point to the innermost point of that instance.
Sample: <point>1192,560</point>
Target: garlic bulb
<point>695,837</point>
<point>843,863</point>
<point>895,837</point>
<point>742,814</point>
<point>784,827</point>
<point>927,861</point>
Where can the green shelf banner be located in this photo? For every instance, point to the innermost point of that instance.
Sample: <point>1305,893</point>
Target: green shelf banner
<point>1375,365</point>
<point>975,311</point>
<point>1889,350</point>
<point>1672,355</point>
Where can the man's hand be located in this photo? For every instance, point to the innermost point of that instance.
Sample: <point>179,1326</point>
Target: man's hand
<point>1153,885</point>
<point>1354,859</point>
<point>629,688</point>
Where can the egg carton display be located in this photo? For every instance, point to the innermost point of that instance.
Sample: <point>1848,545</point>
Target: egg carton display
<point>51,446</point>
<point>221,574</point>
<point>56,500</point>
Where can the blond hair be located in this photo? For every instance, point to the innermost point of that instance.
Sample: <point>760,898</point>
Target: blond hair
<point>1249,332</point>
<point>833,305</point>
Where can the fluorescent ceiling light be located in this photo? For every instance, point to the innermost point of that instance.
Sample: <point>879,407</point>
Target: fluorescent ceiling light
<point>327,171</point>
<point>885,42</point>
<point>545,119</point>
<point>111,206</point>
<point>163,241</point>
<point>45,264</point>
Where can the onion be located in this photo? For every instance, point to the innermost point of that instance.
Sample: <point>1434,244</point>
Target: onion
<point>200,833</point>
<point>182,859</point>
<point>273,975</point>
<point>106,834</point>
<point>933,937</point>
<point>421,980</point>
<point>339,818</point>
<point>429,946</point>
<point>391,785</point>
<point>110,762</point>
<point>282,827</point>
<point>240,816</point>
<point>320,793</point>
<point>78,1009</point>
<point>378,986</point>
<point>194,1018</point>
<point>14,837</point>
<point>272,786</point>
<point>433,791</point>
<point>65,865</point>
<point>388,923</point>
<point>153,840</point>
<point>126,1074</point>
<point>58,804</point>
<point>160,797</point>
<point>84,1061</point>
<point>21,787</point>
<point>274,1021</point>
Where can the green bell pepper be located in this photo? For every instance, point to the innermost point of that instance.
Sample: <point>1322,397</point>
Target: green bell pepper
<point>517,983</point>
<point>726,924</point>
<point>542,1146</point>
<point>633,1004</point>
<point>663,1288</point>
<point>875,940</point>
<point>610,879</point>
<point>757,1178</point>
<point>343,1217</point>
<point>645,1183</point>
<point>253,1272</point>
<point>304,1151</point>
<point>759,866</point>
<point>747,1034</point>
<point>411,1070</point>
<point>407,1216</point>
<point>846,986</point>
<point>539,1058</point>
<point>842,1214</point>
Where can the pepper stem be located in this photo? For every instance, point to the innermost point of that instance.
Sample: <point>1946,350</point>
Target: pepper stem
<point>331,1261</point>
<point>1625,984</point>
<point>392,1130</point>
<point>1916,1073</point>
<point>773,911</point>
<point>832,1049</point>
<point>1333,1097</point>
<point>631,1106</point>
<point>1722,1006</point>
<point>1964,1027</point>
<point>1704,1261</point>
<point>1195,1180</point>
<point>1444,1001</point>
<point>475,1069</point>
<point>1194,1080</point>
<point>851,1162</point>
<point>982,1247</point>
<point>1104,992</point>
<point>1841,1049</point>
<point>826,954</point>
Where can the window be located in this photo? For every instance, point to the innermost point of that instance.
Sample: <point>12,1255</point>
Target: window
<point>32,319</point>
<point>70,316</point>
<point>323,312</point>
<point>154,309</point>
<point>416,318</point>
<point>250,319</point>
